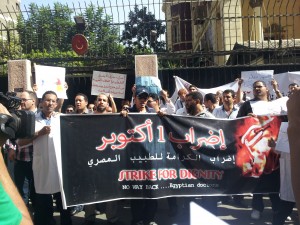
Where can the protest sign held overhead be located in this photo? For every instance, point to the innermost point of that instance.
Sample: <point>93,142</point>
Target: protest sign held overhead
<point>109,83</point>
<point>50,78</point>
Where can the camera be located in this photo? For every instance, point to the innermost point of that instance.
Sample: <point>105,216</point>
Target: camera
<point>21,123</point>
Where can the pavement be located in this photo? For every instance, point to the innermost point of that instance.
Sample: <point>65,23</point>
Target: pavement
<point>227,214</point>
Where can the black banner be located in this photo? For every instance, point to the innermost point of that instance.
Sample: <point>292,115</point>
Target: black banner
<point>106,157</point>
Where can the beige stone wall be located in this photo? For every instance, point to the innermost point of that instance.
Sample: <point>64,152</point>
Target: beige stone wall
<point>271,11</point>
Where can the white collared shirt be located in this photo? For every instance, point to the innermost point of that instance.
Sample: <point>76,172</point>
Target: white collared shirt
<point>220,112</point>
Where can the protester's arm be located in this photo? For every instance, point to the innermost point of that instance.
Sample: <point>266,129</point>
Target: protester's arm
<point>169,104</point>
<point>112,104</point>
<point>60,103</point>
<point>11,151</point>
<point>293,106</point>
<point>239,93</point>
<point>133,89</point>
<point>23,142</point>
<point>43,131</point>
<point>8,185</point>
<point>276,89</point>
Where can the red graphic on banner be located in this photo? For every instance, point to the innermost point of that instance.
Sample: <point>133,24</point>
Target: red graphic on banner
<point>252,145</point>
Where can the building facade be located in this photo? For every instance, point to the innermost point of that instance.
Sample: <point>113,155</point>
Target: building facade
<point>221,26</point>
<point>9,11</point>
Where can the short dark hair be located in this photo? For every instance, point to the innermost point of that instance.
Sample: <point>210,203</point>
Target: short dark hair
<point>196,96</point>
<point>70,106</point>
<point>293,84</point>
<point>154,96</point>
<point>211,97</point>
<point>192,86</point>
<point>32,95</point>
<point>83,95</point>
<point>48,93</point>
<point>227,91</point>
<point>261,81</point>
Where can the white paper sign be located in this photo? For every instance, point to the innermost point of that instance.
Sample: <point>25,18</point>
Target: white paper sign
<point>109,83</point>
<point>50,78</point>
<point>282,144</point>
<point>285,79</point>
<point>250,77</point>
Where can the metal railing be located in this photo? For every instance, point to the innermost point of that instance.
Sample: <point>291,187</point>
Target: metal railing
<point>184,34</point>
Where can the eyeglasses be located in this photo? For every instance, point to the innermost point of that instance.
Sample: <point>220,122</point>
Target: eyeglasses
<point>125,108</point>
<point>25,99</point>
<point>69,110</point>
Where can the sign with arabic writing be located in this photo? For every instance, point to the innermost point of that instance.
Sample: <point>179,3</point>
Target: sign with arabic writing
<point>147,156</point>
<point>109,83</point>
<point>249,77</point>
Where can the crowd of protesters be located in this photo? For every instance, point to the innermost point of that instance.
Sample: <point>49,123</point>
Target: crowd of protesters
<point>35,167</point>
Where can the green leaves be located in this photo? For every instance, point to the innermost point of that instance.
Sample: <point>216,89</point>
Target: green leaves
<point>48,31</point>
<point>142,32</point>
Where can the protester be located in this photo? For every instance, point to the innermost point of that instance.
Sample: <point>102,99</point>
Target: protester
<point>294,140</point>
<point>24,152</point>
<point>181,98</point>
<point>259,106</point>
<point>193,104</point>
<point>111,208</point>
<point>142,210</point>
<point>211,101</point>
<point>70,109</point>
<point>229,110</point>
<point>13,210</point>
<point>44,164</point>
<point>81,102</point>
<point>166,105</point>
<point>278,93</point>
<point>219,95</point>
<point>287,200</point>
<point>153,102</point>
<point>192,88</point>
<point>125,104</point>
<point>91,107</point>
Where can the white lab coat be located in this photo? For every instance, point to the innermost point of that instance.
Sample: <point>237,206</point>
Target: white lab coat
<point>44,165</point>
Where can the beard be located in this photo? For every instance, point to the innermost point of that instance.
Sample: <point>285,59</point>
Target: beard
<point>191,109</point>
<point>101,109</point>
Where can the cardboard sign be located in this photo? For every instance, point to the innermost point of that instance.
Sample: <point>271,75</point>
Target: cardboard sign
<point>109,83</point>
<point>146,65</point>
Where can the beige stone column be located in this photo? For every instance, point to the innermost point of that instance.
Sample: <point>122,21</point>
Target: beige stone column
<point>19,75</point>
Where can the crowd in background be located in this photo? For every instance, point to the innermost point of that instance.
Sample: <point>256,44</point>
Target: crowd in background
<point>35,170</point>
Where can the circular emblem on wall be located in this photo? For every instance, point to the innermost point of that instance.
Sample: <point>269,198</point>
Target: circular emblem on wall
<point>80,44</point>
